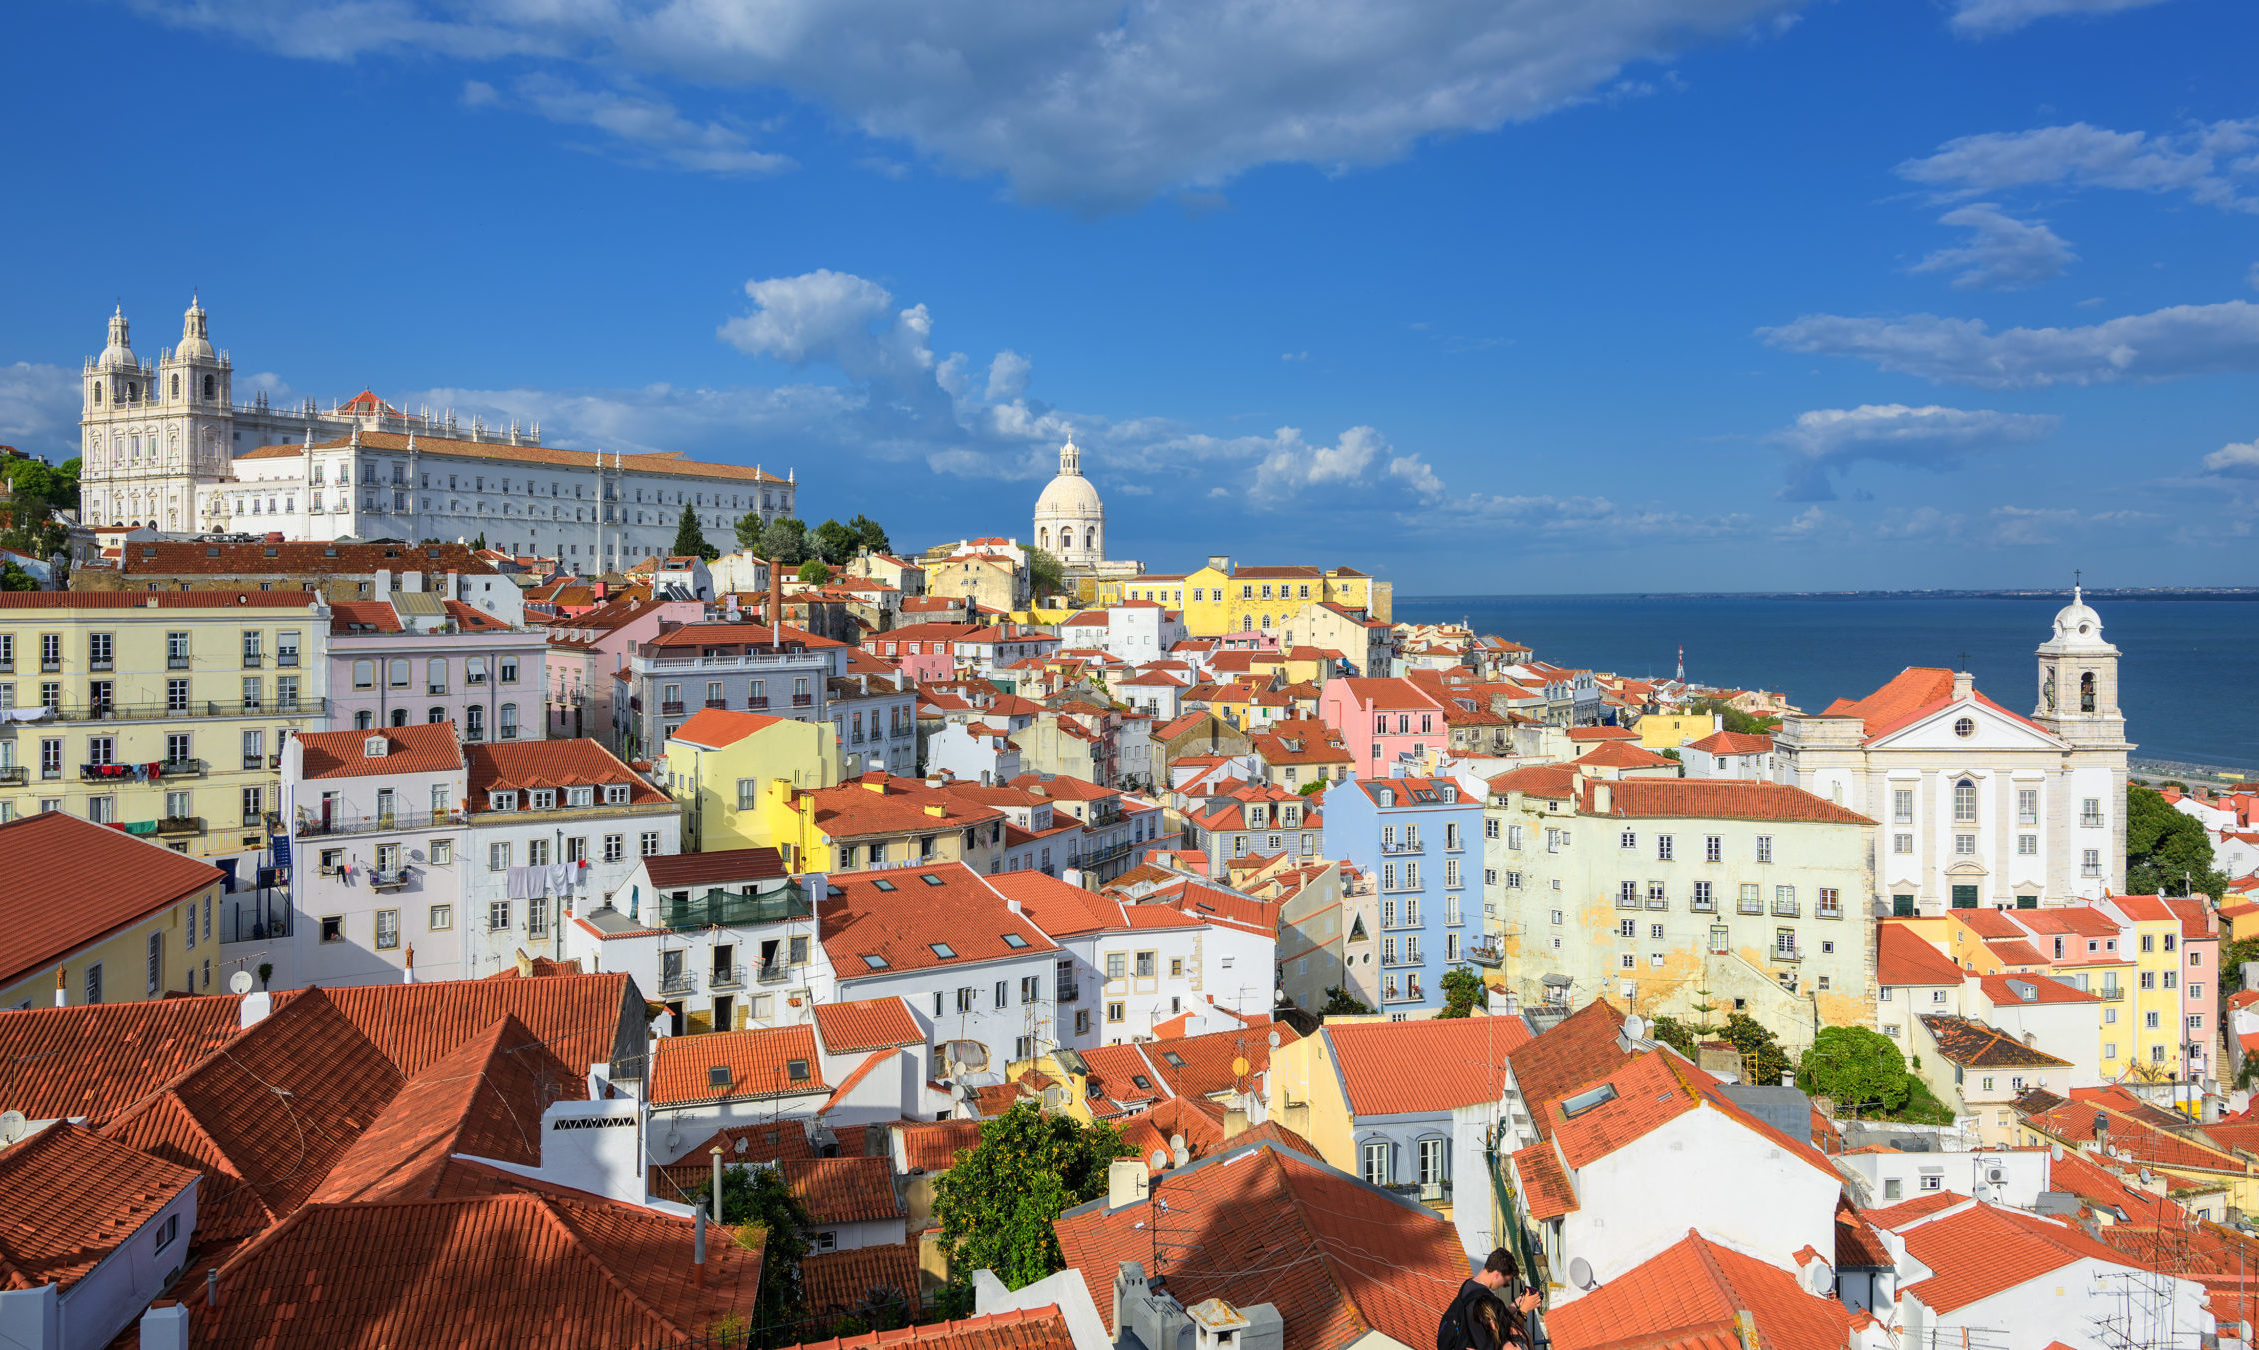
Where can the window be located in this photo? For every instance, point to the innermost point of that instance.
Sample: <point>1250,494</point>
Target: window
<point>650,847</point>
<point>1663,844</point>
<point>1628,839</point>
<point>537,853</point>
<point>1114,1011</point>
<point>498,857</point>
<point>2090,863</point>
<point>615,847</point>
<point>1934,1180</point>
<point>387,929</point>
<point>1117,965</point>
<point>1713,848</point>
<point>2027,845</point>
<point>2090,813</point>
<point>1764,848</point>
<point>1964,845</point>
<point>2027,806</point>
<point>1374,1164</point>
<point>1902,806</point>
<point>333,928</point>
<point>441,918</point>
<point>497,915</point>
<point>1965,802</point>
<point>1750,900</point>
<point>1703,902</point>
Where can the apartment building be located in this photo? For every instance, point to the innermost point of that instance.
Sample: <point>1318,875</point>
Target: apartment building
<point>95,916</point>
<point>1422,837</point>
<point>750,667</point>
<point>413,657</point>
<point>164,713</point>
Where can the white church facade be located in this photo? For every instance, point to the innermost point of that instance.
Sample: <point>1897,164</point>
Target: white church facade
<point>1070,521</point>
<point>1977,806</point>
<point>166,444</point>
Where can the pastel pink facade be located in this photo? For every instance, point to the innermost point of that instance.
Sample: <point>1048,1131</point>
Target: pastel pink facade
<point>587,652</point>
<point>1382,720</point>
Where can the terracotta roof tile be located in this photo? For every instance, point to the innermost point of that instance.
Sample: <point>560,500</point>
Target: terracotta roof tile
<point>1624,755</point>
<point>1722,799</point>
<point>1904,957</point>
<point>95,1060</point>
<point>1984,1250</point>
<point>870,1024</point>
<point>1733,743</point>
<point>299,559</point>
<point>737,1066</point>
<point>2044,989</point>
<point>66,882</point>
<point>1688,1295</point>
<point>1043,1328</point>
<point>425,747</point>
<point>844,1190</point>
<point>1582,1048</point>
<point>1972,1044</point>
<point>69,1198</point>
<point>714,728</point>
<point>836,1283</point>
<point>670,870</point>
<point>898,916</point>
<point>1338,1258</point>
<point>1424,1066</point>
<point>524,765</point>
<point>670,463</point>
<point>1546,1191</point>
<point>1895,1217</point>
<point>581,1018</point>
<point>883,804</point>
<point>933,1146</point>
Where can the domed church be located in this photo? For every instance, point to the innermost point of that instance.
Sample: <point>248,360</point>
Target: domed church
<point>1070,520</point>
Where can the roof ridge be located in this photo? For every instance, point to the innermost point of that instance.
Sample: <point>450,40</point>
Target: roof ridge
<point>1277,1164</point>
<point>550,1207</point>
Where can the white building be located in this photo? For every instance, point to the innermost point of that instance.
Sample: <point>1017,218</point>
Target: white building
<point>1070,520</point>
<point>1979,806</point>
<point>1729,754</point>
<point>1137,631</point>
<point>725,940</point>
<point>412,657</point>
<point>166,443</point>
<point>961,953</point>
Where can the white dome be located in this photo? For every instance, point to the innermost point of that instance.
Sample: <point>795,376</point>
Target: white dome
<point>195,337</point>
<point>2077,625</point>
<point>119,354</point>
<point>1070,495</point>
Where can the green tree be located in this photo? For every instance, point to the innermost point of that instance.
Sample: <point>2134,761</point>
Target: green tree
<point>870,534</point>
<point>785,540</point>
<point>1678,1035</point>
<point>479,542</point>
<point>2166,851</point>
<point>1860,1068</point>
<point>758,1197</point>
<point>1341,1003</point>
<point>836,543</point>
<point>14,578</point>
<point>997,1204</point>
<point>1760,1051</point>
<point>1735,719</point>
<point>2232,956</point>
<point>1671,755</point>
<point>748,530</point>
<point>814,572</point>
<point>690,538</point>
<point>1462,992</point>
<point>1046,574</point>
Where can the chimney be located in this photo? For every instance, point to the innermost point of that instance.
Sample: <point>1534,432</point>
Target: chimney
<point>716,1189</point>
<point>454,586</point>
<point>254,1009</point>
<point>698,1249</point>
<point>1235,1121</point>
<point>1745,1330</point>
<point>62,995</point>
<point>212,1287</point>
<point>383,586</point>
<point>1603,798</point>
<point>776,602</point>
<point>408,974</point>
<point>165,1326</point>
<point>1963,684</point>
<point>1126,1182</point>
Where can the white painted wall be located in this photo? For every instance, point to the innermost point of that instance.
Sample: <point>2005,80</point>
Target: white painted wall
<point>2065,1304</point>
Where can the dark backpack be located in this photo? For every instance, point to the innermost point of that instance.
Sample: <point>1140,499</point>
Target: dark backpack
<point>1453,1332</point>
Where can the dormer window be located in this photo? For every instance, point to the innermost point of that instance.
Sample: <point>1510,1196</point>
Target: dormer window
<point>615,794</point>
<point>580,796</point>
<point>542,799</point>
<point>375,747</point>
<point>502,801</point>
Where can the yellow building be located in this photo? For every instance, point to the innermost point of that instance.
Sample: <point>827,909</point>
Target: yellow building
<point>1668,731</point>
<point>873,821</point>
<point>162,712</point>
<point>98,916</point>
<point>2153,1042</point>
<point>1162,588</point>
<point>719,764</point>
<point>1223,599</point>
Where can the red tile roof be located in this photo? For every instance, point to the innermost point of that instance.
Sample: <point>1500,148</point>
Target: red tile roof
<point>1586,734</point>
<point>1043,1328</point>
<point>67,882</point>
<point>1580,1049</point>
<point>1972,1044</point>
<point>583,1019</point>
<point>524,765</point>
<point>1338,1258</point>
<point>595,1273</point>
<point>835,1283</point>
<point>201,599</point>
<point>1425,1066</point>
<point>1897,1216</point>
<point>425,747</point>
<point>2044,989</point>
<point>1720,799</point>
<point>1546,1191</point>
<point>1912,694</point>
<point>1688,1296</point>
<point>96,1060</point>
<point>738,1066</point>
<point>1985,1250</point>
<point>1732,743</point>
<point>714,728</point>
<point>363,616</point>
<point>1903,957</point>
<point>870,1024</point>
<point>669,870</point>
<point>843,1190</point>
<point>881,804</point>
<point>1622,755</point>
<point>1538,780</point>
<point>312,560</point>
<point>69,1198</point>
<point>1202,1066</point>
<point>933,1146</point>
<point>899,916</point>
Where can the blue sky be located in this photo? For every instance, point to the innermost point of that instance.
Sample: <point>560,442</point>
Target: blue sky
<point>1532,296</point>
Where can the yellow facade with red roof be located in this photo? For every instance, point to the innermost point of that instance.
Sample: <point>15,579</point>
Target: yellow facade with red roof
<point>2155,1043</point>
<point>90,915</point>
<point>1220,598</point>
<point>720,765</point>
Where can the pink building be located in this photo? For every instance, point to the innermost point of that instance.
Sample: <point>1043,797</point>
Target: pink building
<point>587,652</point>
<point>2200,984</point>
<point>1380,720</point>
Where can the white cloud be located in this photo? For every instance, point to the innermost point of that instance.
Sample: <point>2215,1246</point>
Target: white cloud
<point>647,128</point>
<point>2004,253</point>
<point>2201,162</point>
<point>1007,376</point>
<point>1813,522</point>
<point>1594,522</point>
<point>1418,475</point>
<point>1087,102</point>
<point>1294,465</point>
<point>1825,442</point>
<point>39,407</point>
<point>2236,460</point>
<point>1988,18</point>
<point>2162,345</point>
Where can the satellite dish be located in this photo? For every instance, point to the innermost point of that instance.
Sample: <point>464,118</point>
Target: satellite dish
<point>1239,1066</point>
<point>12,1127</point>
<point>2055,1151</point>
<point>1183,1155</point>
<point>1176,1141</point>
<point>1160,1159</point>
<point>1818,1279</point>
<point>1580,1274</point>
<point>742,1142</point>
<point>239,982</point>
<point>1274,1040</point>
<point>1635,1027</point>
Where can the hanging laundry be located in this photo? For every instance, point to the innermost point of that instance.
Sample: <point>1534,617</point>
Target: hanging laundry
<point>560,879</point>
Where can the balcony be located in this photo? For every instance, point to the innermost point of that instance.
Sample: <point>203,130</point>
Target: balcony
<point>176,663</point>
<point>677,982</point>
<point>1700,905</point>
<point>340,825</point>
<point>671,709</point>
<point>1787,954</point>
<point>2091,821</point>
<point>177,826</point>
<point>1426,1192</point>
<point>726,977</point>
<point>1828,910</point>
<point>101,663</point>
<point>1658,902</point>
<point>174,711</point>
<point>105,773</point>
<point>181,768</point>
<point>803,700</point>
<point>2111,993</point>
<point>1626,901</point>
<point>286,660</point>
<point>15,774</point>
<point>717,703</point>
<point>1068,992</point>
<point>388,881</point>
<point>1785,909</point>
<point>253,660</point>
<point>1486,954</point>
<point>774,972</point>
<point>756,702</point>
<point>720,909</point>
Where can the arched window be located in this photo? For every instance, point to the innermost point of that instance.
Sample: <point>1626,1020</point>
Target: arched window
<point>1246,623</point>
<point>435,714</point>
<point>2086,692</point>
<point>363,720</point>
<point>211,387</point>
<point>399,717</point>
<point>1266,623</point>
<point>1964,802</point>
<point>176,386</point>
<point>474,721</point>
<point>1066,540</point>
<point>98,393</point>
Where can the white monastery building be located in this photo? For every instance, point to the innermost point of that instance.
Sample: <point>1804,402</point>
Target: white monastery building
<point>167,445</point>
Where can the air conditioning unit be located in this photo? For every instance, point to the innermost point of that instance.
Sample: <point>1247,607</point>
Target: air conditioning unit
<point>1996,1175</point>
